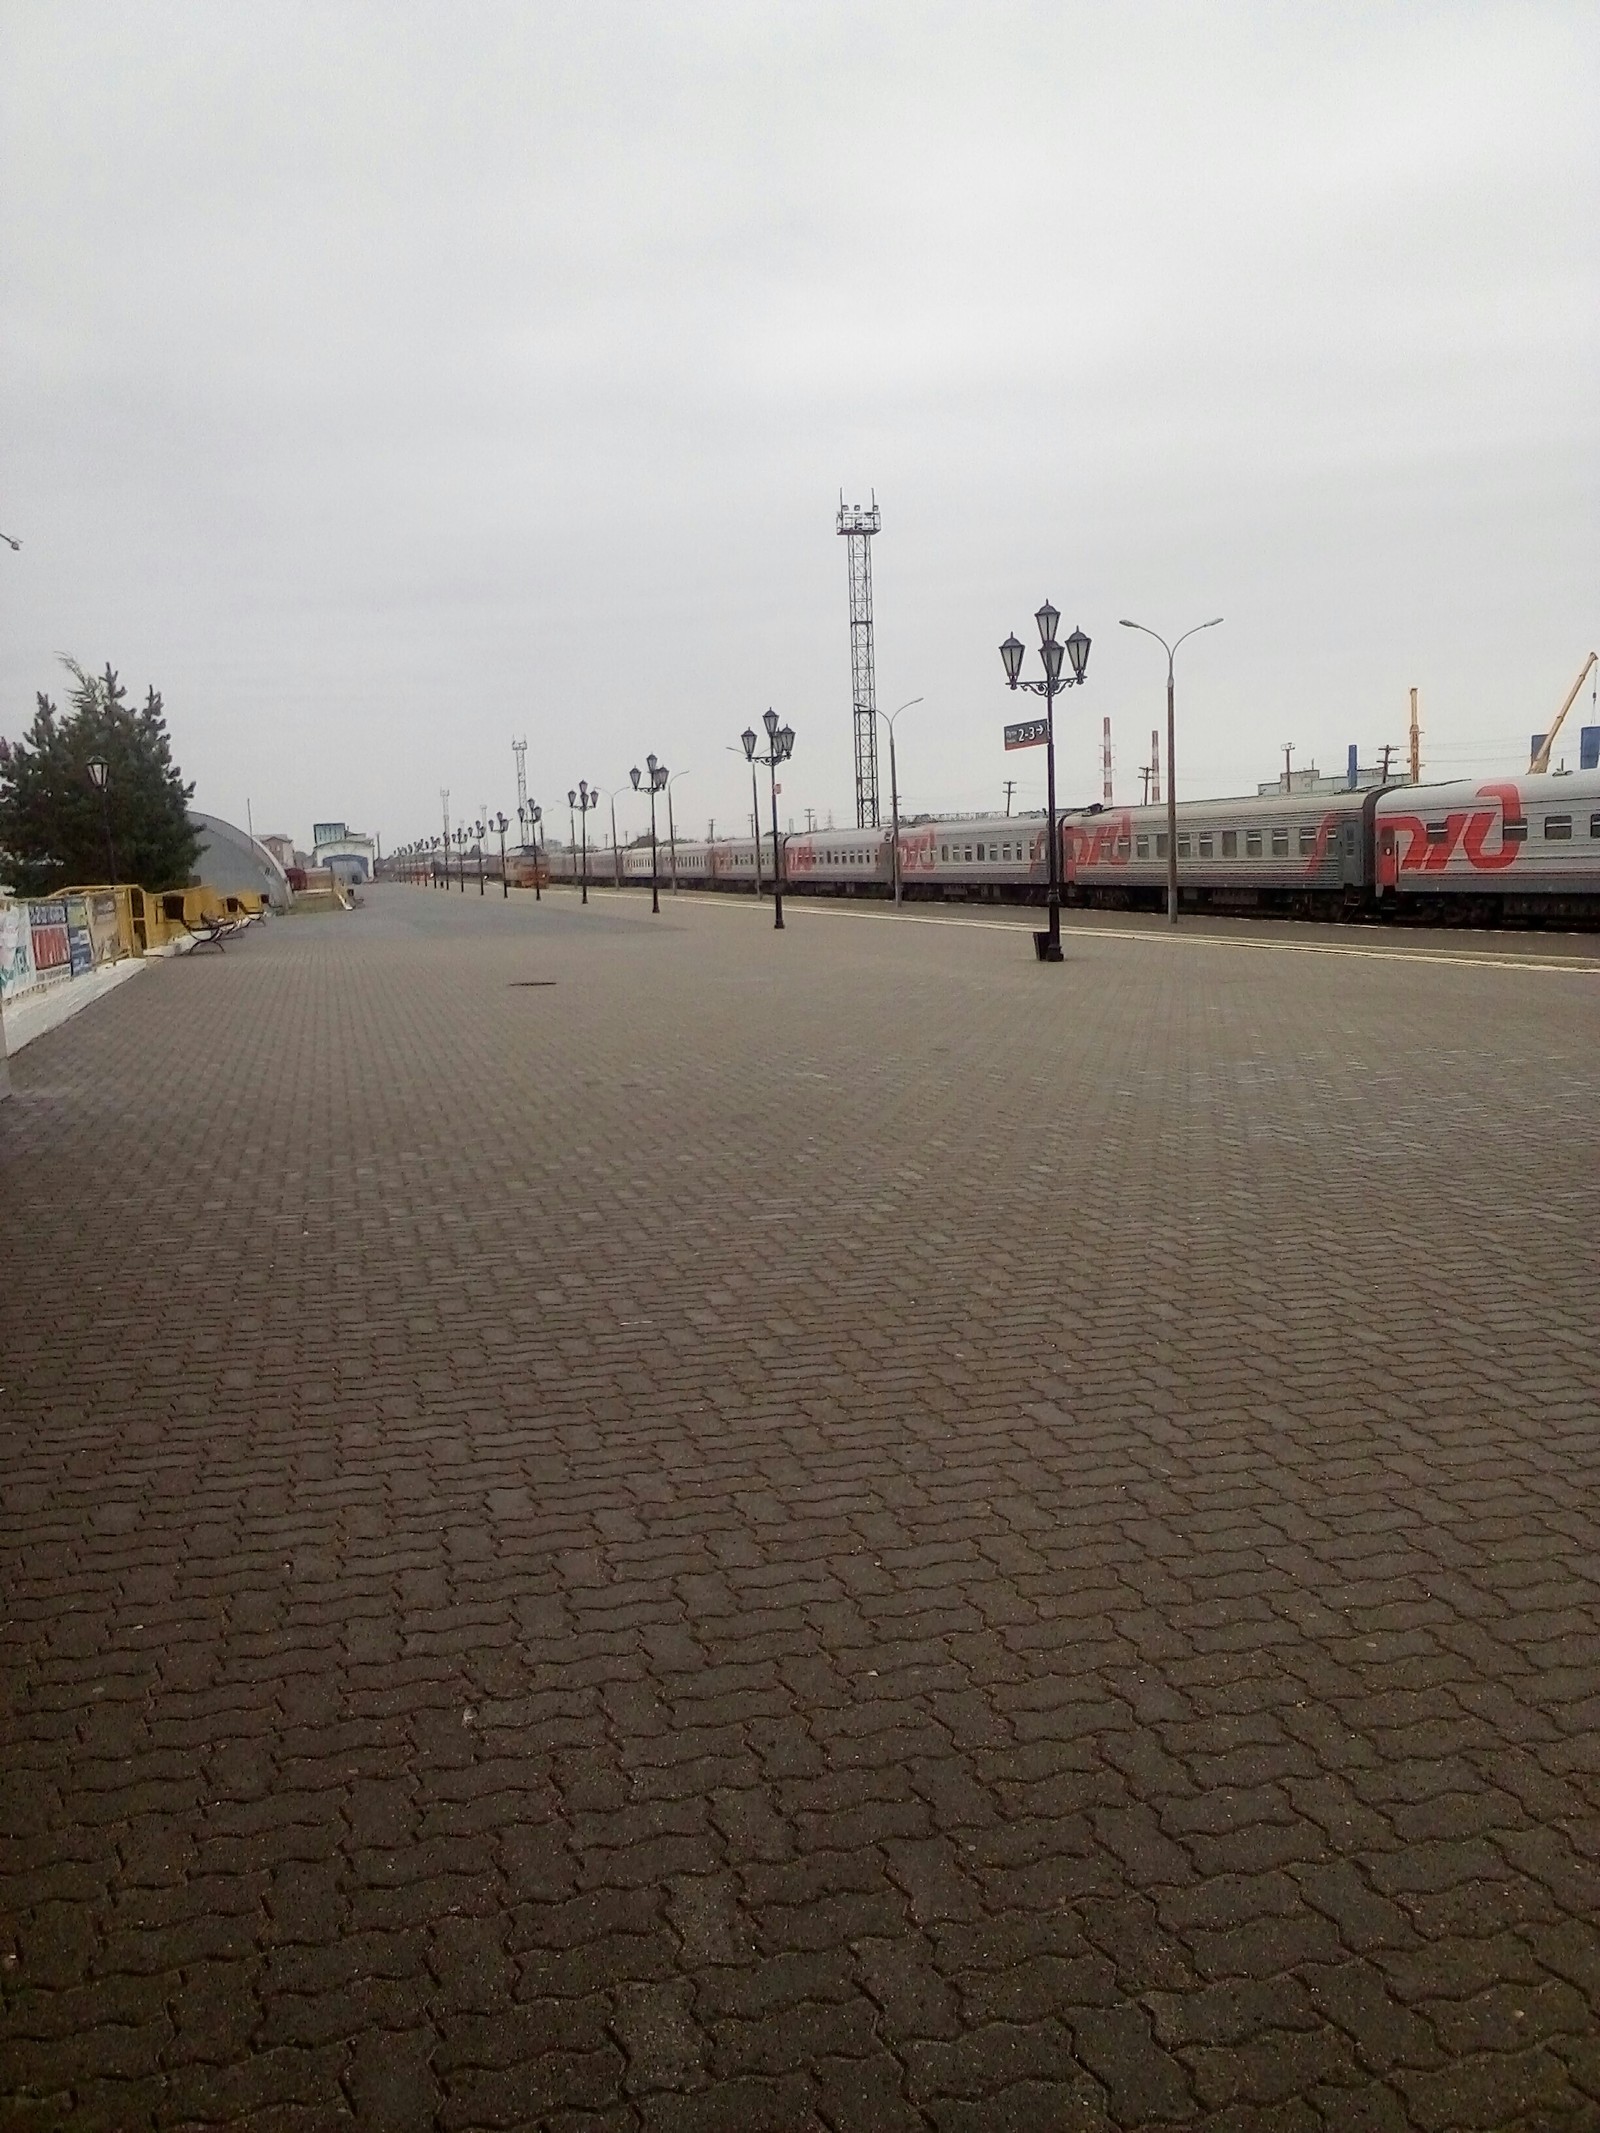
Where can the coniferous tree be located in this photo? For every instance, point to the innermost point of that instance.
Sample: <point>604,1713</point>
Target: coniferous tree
<point>52,827</point>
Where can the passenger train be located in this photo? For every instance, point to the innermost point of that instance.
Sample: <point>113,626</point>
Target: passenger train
<point>1511,851</point>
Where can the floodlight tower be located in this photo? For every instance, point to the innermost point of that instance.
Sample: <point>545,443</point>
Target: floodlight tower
<point>858,523</point>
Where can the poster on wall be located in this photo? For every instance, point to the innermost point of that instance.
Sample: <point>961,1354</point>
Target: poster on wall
<point>104,930</point>
<point>51,948</point>
<point>16,949</point>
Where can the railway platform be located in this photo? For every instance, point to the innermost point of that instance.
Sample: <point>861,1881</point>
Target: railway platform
<point>625,1523</point>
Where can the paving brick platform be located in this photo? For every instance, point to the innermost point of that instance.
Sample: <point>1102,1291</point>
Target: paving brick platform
<point>627,1524</point>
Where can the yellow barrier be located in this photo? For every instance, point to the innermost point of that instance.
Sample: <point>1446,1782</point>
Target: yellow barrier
<point>151,919</point>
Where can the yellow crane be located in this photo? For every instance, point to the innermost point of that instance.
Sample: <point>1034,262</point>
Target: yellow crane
<point>1541,755</point>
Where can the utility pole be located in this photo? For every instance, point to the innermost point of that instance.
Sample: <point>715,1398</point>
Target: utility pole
<point>1144,795</point>
<point>1155,767</point>
<point>1105,762</point>
<point>1383,773</point>
<point>1011,786</point>
<point>1416,743</point>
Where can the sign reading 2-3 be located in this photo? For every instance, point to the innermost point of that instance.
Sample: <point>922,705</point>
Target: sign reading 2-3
<point>1031,733</point>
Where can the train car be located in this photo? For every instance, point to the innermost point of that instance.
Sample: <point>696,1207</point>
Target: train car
<point>731,863</point>
<point>1296,854</point>
<point>990,856</point>
<point>847,862</point>
<point>1480,853</point>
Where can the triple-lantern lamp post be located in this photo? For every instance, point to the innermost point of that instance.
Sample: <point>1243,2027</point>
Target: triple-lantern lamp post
<point>780,746</point>
<point>1052,654</point>
<point>654,779</point>
<point>583,802</point>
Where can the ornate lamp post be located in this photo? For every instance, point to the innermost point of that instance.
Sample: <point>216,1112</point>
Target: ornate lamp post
<point>481,831</point>
<point>585,799</point>
<point>656,781</point>
<point>100,778</point>
<point>889,718</point>
<point>501,824</point>
<point>529,818</point>
<point>461,855</point>
<point>1047,945</point>
<point>1172,783</point>
<point>780,746</point>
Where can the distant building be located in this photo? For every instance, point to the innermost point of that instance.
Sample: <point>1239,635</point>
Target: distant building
<point>233,862</point>
<point>350,855</point>
<point>1312,780</point>
<point>280,846</point>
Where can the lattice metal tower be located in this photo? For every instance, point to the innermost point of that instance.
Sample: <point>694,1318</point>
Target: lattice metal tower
<point>519,749</point>
<point>858,523</point>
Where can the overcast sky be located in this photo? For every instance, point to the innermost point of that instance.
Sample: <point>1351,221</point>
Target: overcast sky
<point>385,381</point>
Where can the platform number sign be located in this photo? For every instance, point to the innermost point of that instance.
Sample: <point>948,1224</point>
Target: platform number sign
<point>1031,733</point>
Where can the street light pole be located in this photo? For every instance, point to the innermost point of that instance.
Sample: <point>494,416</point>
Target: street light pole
<point>461,855</point>
<point>889,718</point>
<point>585,800</point>
<point>780,746</point>
<point>672,834</point>
<point>1047,945</point>
<point>1171,651</point>
<point>502,825</point>
<point>482,833</point>
<point>657,783</point>
<point>100,778</point>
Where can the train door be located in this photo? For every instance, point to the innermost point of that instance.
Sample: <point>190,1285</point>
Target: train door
<point>1388,860</point>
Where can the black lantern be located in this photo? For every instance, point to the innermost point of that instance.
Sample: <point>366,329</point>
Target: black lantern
<point>1047,617</point>
<point>1078,653</point>
<point>1011,652</point>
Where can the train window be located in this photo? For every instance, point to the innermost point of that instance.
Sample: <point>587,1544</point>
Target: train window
<point>1230,844</point>
<point>1123,848</point>
<point>1207,850</point>
<point>1141,846</point>
<point>1557,828</point>
<point>944,851</point>
<point>1161,844</point>
<point>1513,833</point>
<point>1594,825</point>
<point>1280,844</point>
<point>1349,836</point>
<point>969,851</point>
<point>1183,845</point>
<point>1438,833</point>
<point>1308,840</point>
<point>1252,844</point>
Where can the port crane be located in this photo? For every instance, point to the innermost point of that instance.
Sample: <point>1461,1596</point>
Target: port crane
<point>1541,755</point>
